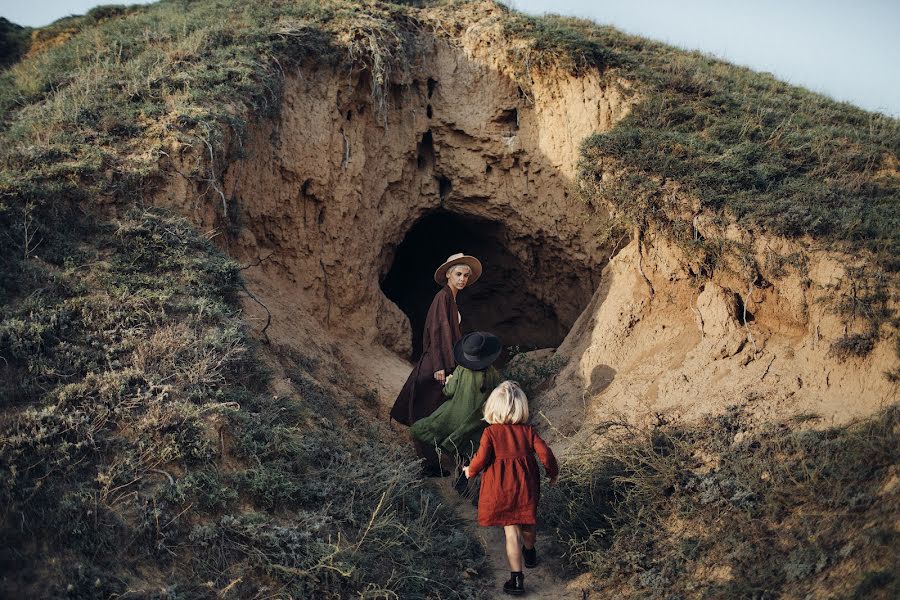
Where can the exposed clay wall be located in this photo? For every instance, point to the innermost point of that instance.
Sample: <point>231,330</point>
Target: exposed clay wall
<point>324,194</point>
<point>654,341</point>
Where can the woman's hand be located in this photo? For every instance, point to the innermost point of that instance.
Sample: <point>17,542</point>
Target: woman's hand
<point>466,472</point>
<point>553,480</point>
<point>439,376</point>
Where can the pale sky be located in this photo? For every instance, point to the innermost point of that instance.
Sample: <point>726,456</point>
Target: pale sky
<point>848,50</point>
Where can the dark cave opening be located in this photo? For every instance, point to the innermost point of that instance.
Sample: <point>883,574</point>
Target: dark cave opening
<point>501,301</point>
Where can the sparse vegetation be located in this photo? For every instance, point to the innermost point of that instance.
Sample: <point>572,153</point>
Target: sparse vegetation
<point>137,432</point>
<point>531,372</point>
<point>141,449</point>
<point>709,138</point>
<point>721,510</point>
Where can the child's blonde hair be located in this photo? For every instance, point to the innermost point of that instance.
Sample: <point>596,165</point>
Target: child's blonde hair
<point>507,404</point>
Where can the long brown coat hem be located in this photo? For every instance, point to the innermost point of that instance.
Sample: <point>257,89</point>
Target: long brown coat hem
<point>421,394</point>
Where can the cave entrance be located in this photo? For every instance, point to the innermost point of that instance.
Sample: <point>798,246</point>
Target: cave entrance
<point>500,302</point>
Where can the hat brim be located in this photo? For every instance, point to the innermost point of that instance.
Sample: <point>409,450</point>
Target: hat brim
<point>493,348</point>
<point>440,274</point>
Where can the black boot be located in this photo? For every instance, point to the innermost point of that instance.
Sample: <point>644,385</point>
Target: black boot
<point>431,464</point>
<point>516,584</point>
<point>435,471</point>
<point>530,557</point>
<point>461,485</point>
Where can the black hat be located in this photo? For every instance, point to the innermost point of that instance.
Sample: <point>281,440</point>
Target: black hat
<point>477,350</point>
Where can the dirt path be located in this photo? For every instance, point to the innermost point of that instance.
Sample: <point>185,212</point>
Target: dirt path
<point>386,373</point>
<point>541,582</point>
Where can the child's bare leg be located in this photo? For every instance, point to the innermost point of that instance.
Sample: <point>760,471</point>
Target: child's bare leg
<point>513,547</point>
<point>528,536</point>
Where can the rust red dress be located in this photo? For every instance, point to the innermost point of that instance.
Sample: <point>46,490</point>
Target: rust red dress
<point>510,486</point>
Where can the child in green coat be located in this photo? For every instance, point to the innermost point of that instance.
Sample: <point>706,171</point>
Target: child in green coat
<point>456,426</point>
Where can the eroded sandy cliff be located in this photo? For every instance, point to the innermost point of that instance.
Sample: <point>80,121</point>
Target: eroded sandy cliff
<point>325,194</point>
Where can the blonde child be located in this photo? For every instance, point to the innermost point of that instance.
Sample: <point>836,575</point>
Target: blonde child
<point>510,486</point>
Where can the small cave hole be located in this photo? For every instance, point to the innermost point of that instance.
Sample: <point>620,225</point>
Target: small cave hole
<point>304,189</point>
<point>428,111</point>
<point>444,187</point>
<point>508,118</point>
<point>425,151</point>
<point>488,169</point>
<point>349,115</point>
<point>500,301</point>
<point>395,90</point>
<point>432,83</point>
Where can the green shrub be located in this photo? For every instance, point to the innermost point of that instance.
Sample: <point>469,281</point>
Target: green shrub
<point>530,372</point>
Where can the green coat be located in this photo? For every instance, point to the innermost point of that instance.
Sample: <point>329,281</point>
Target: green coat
<point>457,424</point>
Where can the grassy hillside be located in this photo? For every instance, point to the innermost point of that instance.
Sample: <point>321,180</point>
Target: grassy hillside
<point>709,138</point>
<point>756,150</point>
<point>141,447</point>
<point>726,509</point>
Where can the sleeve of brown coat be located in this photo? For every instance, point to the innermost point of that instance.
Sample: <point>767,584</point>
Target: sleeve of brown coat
<point>443,325</point>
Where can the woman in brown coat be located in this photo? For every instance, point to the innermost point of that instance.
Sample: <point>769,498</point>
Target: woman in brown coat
<point>421,394</point>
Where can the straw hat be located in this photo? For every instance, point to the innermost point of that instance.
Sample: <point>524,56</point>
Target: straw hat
<point>477,350</point>
<point>440,275</point>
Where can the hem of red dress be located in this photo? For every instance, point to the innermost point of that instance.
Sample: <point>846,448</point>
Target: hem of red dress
<point>504,523</point>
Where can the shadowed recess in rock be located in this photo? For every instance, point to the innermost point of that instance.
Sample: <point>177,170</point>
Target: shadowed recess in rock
<point>501,301</point>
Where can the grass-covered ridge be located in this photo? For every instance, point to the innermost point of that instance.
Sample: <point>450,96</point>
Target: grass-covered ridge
<point>767,154</point>
<point>140,447</point>
<point>95,113</point>
<point>725,510</point>
<point>709,139</point>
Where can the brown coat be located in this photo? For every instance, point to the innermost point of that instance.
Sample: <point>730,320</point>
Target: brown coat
<point>511,484</point>
<point>421,394</point>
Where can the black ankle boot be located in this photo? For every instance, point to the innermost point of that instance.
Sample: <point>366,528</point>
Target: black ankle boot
<point>461,485</point>
<point>530,557</point>
<point>516,584</point>
<point>435,471</point>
